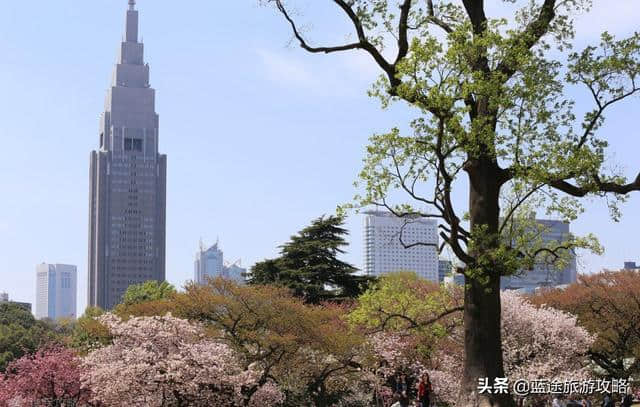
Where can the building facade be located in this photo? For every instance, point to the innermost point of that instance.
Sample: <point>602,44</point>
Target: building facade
<point>445,268</point>
<point>56,291</point>
<point>385,238</point>
<point>127,208</point>
<point>543,274</point>
<point>209,263</point>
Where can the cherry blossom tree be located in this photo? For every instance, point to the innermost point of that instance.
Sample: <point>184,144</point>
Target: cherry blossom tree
<point>159,361</point>
<point>405,313</point>
<point>538,343</point>
<point>607,304</point>
<point>51,376</point>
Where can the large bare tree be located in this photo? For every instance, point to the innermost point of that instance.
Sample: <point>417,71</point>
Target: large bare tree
<point>491,104</point>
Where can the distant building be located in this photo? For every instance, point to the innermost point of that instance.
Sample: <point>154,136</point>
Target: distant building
<point>631,265</point>
<point>545,275</point>
<point>210,263</point>
<point>445,267</point>
<point>455,278</point>
<point>386,237</point>
<point>234,271</point>
<point>56,288</point>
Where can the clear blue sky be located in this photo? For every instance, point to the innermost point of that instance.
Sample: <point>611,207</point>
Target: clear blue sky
<point>260,137</point>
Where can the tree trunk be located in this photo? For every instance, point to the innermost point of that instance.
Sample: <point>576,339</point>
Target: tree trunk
<point>483,342</point>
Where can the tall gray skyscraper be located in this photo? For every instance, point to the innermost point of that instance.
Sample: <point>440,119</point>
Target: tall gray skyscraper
<point>127,192</point>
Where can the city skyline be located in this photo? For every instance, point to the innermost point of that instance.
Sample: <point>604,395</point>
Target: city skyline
<point>276,169</point>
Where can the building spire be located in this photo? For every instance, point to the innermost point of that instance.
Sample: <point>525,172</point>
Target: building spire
<point>131,34</point>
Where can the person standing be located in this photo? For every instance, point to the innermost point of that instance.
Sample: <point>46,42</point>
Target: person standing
<point>607,401</point>
<point>627,400</point>
<point>402,390</point>
<point>425,390</point>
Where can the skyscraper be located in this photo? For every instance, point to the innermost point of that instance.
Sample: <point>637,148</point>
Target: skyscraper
<point>384,251</point>
<point>127,203</point>
<point>56,291</point>
<point>210,263</point>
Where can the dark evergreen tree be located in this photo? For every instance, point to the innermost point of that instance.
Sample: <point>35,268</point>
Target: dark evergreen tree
<point>310,267</point>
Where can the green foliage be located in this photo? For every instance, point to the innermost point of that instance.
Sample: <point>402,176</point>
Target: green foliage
<point>89,334</point>
<point>20,333</point>
<point>311,352</point>
<point>310,267</point>
<point>401,302</point>
<point>489,94</point>
<point>151,290</point>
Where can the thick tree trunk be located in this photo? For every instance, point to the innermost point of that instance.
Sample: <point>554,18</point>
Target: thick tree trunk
<point>483,342</point>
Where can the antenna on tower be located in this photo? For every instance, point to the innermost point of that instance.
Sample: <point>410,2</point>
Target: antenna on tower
<point>132,4</point>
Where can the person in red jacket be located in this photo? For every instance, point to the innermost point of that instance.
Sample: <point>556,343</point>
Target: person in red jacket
<point>424,391</point>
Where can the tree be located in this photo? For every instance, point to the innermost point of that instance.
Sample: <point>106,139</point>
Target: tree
<point>311,352</point>
<point>402,301</point>
<point>88,333</point>
<point>492,109</point>
<point>20,333</point>
<point>309,264</point>
<point>49,377</point>
<point>148,291</point>
<point>159,361</point>
<point>607,304</point>
<point>539,342</point>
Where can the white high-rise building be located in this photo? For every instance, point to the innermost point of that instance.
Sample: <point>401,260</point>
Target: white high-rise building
<point>385,238</point>
<point>56,288</point>
<point>210,263</point>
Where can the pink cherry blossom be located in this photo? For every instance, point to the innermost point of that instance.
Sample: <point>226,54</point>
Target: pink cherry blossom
<point>49,377</point>
<point>155,361</point>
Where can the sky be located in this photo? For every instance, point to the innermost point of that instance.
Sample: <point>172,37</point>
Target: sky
<point>261,137</point>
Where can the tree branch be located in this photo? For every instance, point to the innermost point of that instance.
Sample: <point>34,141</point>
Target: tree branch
<point>600,187</point>
<point>529,37</point>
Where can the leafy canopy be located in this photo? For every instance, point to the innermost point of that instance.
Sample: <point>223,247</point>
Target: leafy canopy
<point>309,264</point>
<point>607,305</point>
<point>20,333</point>
<point>491,98</point>
<point>151,290</point>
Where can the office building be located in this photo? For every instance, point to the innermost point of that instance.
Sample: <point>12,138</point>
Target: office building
<point>56,288</point>
<point>545,274</point>
<point>127,181</point>
<point>445,268</point>
<point>209,263</point>
<point>394,244</point>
